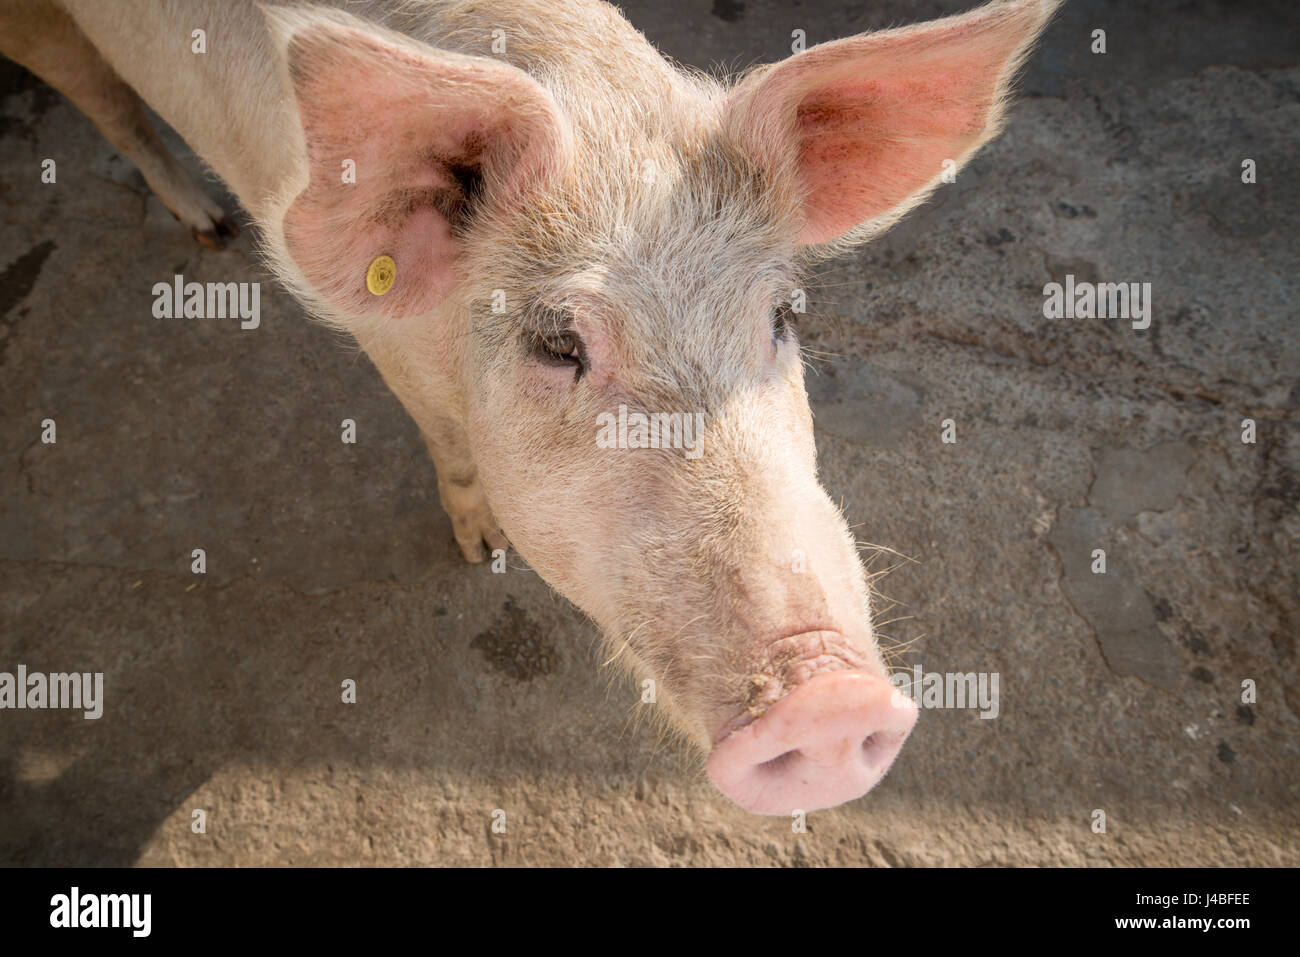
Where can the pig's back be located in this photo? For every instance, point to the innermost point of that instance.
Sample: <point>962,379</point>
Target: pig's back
<point>229,105</point>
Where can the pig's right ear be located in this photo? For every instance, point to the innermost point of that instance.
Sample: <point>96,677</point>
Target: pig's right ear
<point>863,128</point>
<point>406,146</point>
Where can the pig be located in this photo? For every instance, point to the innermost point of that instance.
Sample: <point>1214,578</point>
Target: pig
<point>530,221</point>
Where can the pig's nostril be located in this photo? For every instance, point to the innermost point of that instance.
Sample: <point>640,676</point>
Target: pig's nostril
<point>879,748</point>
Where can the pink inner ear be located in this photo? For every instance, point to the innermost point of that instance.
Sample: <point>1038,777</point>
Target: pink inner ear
<point>398,207</point>
<point>866,147</point>
<point>422,133</point>
<point>875,116</point>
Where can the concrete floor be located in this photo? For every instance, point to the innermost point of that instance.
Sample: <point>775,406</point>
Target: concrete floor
<point>478,691</point>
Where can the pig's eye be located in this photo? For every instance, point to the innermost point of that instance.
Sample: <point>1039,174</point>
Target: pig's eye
<point>562,349</point>
<point>782,322</point>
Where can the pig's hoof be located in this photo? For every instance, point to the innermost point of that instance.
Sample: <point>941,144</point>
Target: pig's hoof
<point>472,522</point>
<point>214,234</point>
<point>209,224</point>
<point>477,535</point>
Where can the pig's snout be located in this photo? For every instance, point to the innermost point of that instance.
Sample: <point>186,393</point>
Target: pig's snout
<point>828,741</point>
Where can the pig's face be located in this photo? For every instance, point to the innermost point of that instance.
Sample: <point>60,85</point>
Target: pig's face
<point>715,563</point>
<point>597,280</point>
<point>678,313</point>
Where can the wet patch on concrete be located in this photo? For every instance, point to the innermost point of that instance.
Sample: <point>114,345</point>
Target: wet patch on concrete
<point>1124,616</point>
<point>1129,481</point>
<point>1116,607</point>
<point>20,275</point>
<point>16,83</point>
<point>516,645</point>
<point>16,282</point>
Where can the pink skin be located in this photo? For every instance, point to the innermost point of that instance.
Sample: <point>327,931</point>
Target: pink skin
<point>829,741</point>
<point>795,646</point>
<point>401,198</point>
<point>878,114</point>
<point>730,579</point>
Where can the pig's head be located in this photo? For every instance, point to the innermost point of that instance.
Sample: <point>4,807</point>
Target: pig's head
<point>594,263</point>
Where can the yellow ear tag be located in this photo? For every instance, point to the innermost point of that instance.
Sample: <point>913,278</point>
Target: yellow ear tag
<point>381,275</point>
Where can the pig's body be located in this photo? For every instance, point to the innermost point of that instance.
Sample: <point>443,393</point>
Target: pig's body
<point>578,227</point>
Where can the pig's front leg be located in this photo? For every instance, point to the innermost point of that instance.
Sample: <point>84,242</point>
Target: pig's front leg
<point>461,492</point>
<point>429,396</point>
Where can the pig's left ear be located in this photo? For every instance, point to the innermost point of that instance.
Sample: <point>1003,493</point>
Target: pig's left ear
<point>406,146</point>
<point>863,125</point>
